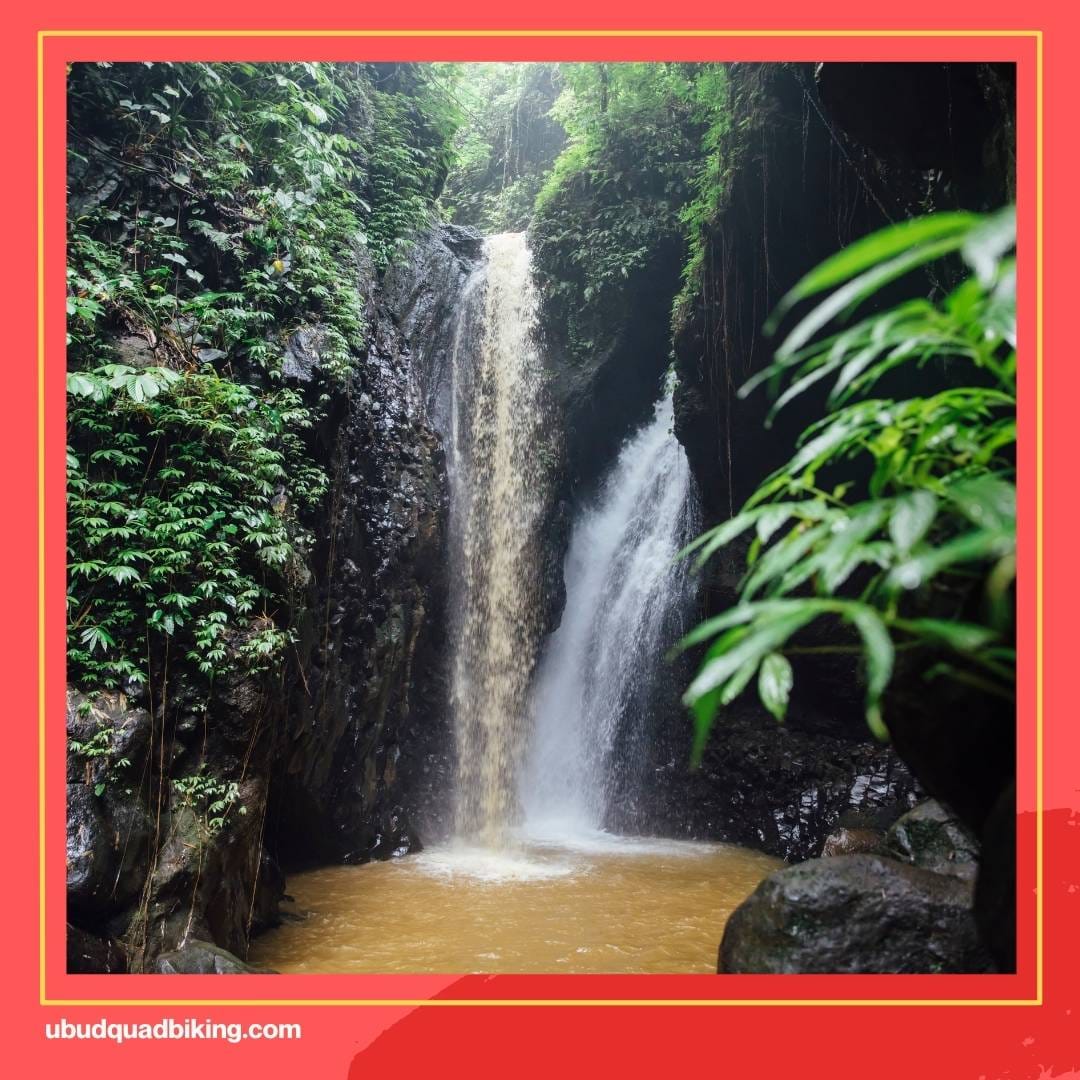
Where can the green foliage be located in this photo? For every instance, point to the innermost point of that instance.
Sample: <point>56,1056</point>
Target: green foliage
<point>210,799</point>
<point>616,195</point>
<point>237,212</point>
<point>178,519</point>
<point>505,145</point>
<point>709,184</point>
<point>213,210</point>
<point>917,519</point>
<point>98,750</point>
<point>247,191</point>
<point>409,151</point>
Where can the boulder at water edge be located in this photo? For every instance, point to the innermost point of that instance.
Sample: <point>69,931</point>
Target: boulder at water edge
<point>933,837</point>
<point>854,914</point>
<point>202,958</point>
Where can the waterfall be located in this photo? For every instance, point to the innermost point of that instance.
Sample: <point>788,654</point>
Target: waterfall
<point>498,499</point>
<point>625,596</point>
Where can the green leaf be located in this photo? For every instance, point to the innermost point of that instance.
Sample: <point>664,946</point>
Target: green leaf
<point>988,243</point>
<point>876,248</point>
<point>911,518</point>
<point>775,681</point>
<point>144,387</point>
<point>82,385</point>
<point>849,296</point>
<point>986,501</point>
<point>763,638</point>
<point>978,546</point>
<point>963,637</point>
<point>878,650</point>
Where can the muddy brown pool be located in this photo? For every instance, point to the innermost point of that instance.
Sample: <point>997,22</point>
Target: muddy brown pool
<point>600,904</point>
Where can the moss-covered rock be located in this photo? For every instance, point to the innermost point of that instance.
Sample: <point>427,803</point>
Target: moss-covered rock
<point>934,838</point>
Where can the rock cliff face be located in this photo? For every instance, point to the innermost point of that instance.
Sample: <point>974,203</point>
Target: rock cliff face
<point>362,715</point>
<point>819,156</point>
<point>332,757</point>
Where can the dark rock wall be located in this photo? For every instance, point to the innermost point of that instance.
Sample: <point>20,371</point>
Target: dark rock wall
<point>368,672</point>
<point>777,788</point>
<point>819,156</point>
<point>334,755</point>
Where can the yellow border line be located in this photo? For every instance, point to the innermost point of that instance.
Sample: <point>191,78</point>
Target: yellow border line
<point>569,1002</point>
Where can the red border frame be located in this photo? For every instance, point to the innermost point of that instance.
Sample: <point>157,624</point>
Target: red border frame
<point>863,989</point>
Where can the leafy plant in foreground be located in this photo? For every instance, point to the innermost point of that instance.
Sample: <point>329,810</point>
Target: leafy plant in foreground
<point>895,516</point>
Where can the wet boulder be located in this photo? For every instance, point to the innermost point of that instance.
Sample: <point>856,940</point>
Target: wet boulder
<point>779,788</point>
<point>844,841</point>
<point>201,958</point>
<point>854,914</point>
<point>303,359</point>
<point>117,732</point>
<point>108,827</point>
<point>863,830</point>
<point>932,837</point>
<point>89,852</point>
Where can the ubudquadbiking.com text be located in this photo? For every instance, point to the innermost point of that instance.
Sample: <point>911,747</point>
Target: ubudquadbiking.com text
<point>169,1028</point>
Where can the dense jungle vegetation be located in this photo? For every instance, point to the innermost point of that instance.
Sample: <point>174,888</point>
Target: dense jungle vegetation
<point>231,205</point>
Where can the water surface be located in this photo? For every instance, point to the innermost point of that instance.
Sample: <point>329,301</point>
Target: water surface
<point>595,903</point>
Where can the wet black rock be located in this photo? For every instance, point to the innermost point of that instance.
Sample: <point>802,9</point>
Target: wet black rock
<point>776,787</point>
<point>88,954</point>
<point>303,354</point>
<point>421,292</point>
<point>863,830</point>
<point>205,881</point>
<point>854,914</point>
<point>202,958</point>
<point>89,851</point>
<point>108,828</point>
<point>365,739</point>
<point>844,841</point>
<point>933,837</point>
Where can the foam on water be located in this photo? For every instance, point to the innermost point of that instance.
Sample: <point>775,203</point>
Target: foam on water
<point>492,865</point>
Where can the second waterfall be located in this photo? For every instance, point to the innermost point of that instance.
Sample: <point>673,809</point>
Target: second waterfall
<point>499,495</point>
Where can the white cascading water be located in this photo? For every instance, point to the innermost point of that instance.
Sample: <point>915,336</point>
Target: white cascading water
<point>498,501</point>
<point>625,595</point>
<point>559,891</point>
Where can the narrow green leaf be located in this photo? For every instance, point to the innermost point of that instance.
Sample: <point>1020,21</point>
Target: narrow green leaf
<point>774,684</point>
<point>876,248</point>
<point>912,516</point>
